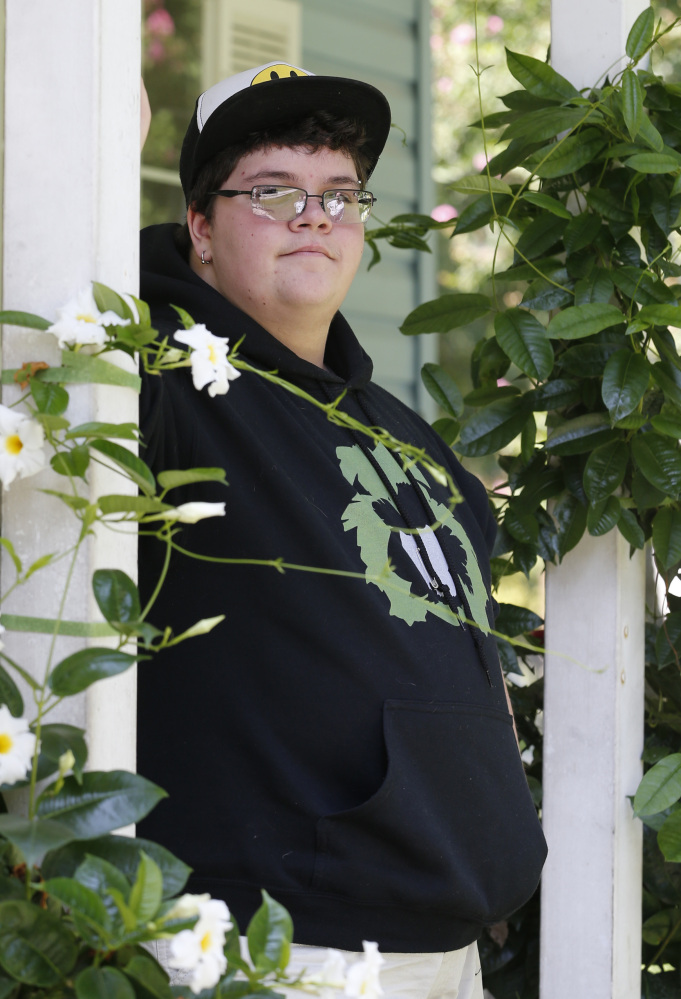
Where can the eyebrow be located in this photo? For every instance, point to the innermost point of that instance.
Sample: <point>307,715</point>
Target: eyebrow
<point>292,180</point>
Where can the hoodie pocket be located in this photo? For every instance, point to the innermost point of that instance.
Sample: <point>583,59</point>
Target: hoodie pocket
<point>451,828</point>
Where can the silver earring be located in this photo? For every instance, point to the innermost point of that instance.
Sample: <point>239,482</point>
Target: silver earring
<point>203,258</point>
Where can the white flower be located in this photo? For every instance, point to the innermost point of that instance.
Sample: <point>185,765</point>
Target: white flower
<point>81,322</point>
<point>201,949</point>
<point>186,906</point>
<point>2,632</point>
<point>17,746</point>
<point>330,977</point>
<point>362,979</point>
<point>190,513</point>
<point>208,359</point>
<point>21,446</point>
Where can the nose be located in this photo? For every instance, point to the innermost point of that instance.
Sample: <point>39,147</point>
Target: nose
<point>313,215</point>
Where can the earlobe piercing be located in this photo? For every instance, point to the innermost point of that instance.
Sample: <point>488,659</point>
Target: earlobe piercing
<point>203,258</point>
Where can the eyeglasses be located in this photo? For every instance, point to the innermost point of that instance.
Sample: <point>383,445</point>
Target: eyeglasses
<point>283,204</point>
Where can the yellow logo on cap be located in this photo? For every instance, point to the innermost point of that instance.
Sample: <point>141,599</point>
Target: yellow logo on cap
<point>276,73</point>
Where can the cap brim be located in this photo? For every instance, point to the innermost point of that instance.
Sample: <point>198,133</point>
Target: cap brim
<point>287,100</point>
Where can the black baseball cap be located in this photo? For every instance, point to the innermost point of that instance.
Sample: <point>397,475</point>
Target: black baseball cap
<point>277,93</point>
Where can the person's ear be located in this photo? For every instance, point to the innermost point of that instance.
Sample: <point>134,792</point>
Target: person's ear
<point>201,235</point>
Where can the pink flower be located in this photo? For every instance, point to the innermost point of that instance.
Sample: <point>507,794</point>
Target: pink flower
<point>462,34</point>
<point>160,22</point>
<point>495,24</point>
<point>443,213</point>
<point>436,42</point>
<point>155,50</point>
<point>479,161</point>
<point>444,84</point>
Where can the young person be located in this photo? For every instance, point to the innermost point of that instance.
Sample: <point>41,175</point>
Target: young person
<point>344,738</point>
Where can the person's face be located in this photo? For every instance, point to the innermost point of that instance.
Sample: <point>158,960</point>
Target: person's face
<point>276,269</point>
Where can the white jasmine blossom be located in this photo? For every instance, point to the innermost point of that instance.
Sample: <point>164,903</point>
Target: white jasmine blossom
<point>331,976</point>
<point>80,322</point>
<point>208,359</point>
<point>21,446</point>
<point>190,513</point>
<point>17,746</point>
<point>186,906</point>
<point>201,949</point>
<point>362,978</point>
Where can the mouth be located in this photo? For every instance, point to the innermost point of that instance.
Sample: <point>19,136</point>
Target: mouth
<point>312,249</point>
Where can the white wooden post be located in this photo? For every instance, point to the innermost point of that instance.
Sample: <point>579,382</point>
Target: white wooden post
<point>593,715</point>
<point>71,215</point>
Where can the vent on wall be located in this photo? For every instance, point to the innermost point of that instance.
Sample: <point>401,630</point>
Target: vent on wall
<point>239,34</point>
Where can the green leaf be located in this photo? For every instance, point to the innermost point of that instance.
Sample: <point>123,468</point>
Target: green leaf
<point>513,620</point>
<point>83,668</point>
<point>133,467</point>
<point>540,235</point>
<point>10,694</point>
<point>581,231</point>
<point>545,123</point>
<point>669,838</point>
<point>521,526</point>
<point>147,891</point>
<point>654,163</point>
<point>641,285</point>
<point>445,313</point>
<point>34,837</point>
<point>123,853</point>
<point>493,427</point>
<point>566,156</point>
<point>667,537</point>
<point>668,421</point>
<point>9,548</point>
<point>447,429</point>
<point>544,295</point>
<point>661,315</point>
<point>579,435</point>
<point>668,378</point>
<point>660,787</point>
<point>605,469</point>
<point>597,287</point>
<point>35,947</point>
<point>659,460</point>
<point>27,320</point>
<point>570,518</point>
<point>603,516</point>
<point>650,135</point>
<point>104,802</point>
<point>94,430</point>
<point>632,102</point>
<point>269,936</point>
<point>131,504</point>
<point>608,205</point>
<point>48,398</point>
<point>523,339</point>
<point>82,368</point>
<point>116,595</point>
<point>103,983</point>
<point>584,320</point>
<point>539,78</point>
<point>479,184</point>
<point>173,478</point>
<point>630,529</point>
<point>641,34</point>
<point>443,389</point>
<point>80,900</point>
<point>480,212</point>
<point>103,878</point>
<point>154,983</point>
<point>546,202</point>
<point>107,300</point>
<point>625,380</point>
<point>72,463</point>
<point>55,740</point>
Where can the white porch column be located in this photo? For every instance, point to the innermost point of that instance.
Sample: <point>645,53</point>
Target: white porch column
<point>71,215</point>
<point>593,717</point>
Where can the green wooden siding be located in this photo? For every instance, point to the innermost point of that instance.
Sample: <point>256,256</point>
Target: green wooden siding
<point>386,43</point>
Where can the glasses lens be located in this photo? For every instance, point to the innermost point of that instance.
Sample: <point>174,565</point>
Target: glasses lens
<point>279,204</point>
<point>348,206</point>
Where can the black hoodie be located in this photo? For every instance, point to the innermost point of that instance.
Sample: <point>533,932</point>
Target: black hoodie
<point>340,740</point>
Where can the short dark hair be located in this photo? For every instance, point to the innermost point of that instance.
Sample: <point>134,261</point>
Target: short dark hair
<point>321,130</point>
